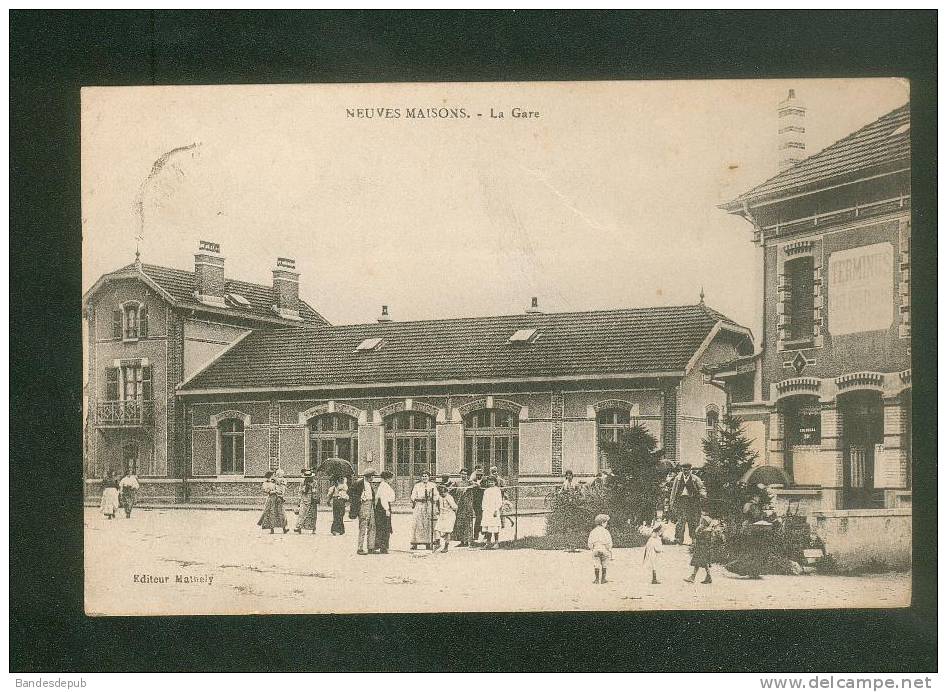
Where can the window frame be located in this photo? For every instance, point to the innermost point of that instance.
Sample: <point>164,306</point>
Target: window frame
<point>612,428</point>
<point>494,438</point>
<point>402,443</point>
<point>317,438</point>
<point>231,436</point>
<point>800,303</point>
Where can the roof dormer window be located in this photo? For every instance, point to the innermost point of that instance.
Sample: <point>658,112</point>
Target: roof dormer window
<point>372,344</point>
<point>522,337</point>
<point>237,300</point>
<point>130,321</point>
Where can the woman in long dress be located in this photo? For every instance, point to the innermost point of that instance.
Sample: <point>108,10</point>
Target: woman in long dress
<point>273,515</point>
<point>109,504</point>
<point>446,517</point>
<point>492,506</point>
<point>308,504</point>
<point>463,497</point>
<point>337,497</point>
<point>423,499</point>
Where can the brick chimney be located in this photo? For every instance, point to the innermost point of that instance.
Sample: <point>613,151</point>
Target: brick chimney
<point>384,316</point>
<point>286,288</point>
<point>791,115</point>
<point>533,308</point>
<point>209,273</point>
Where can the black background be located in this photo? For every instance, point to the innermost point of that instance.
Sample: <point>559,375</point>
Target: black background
<point>53,54</point>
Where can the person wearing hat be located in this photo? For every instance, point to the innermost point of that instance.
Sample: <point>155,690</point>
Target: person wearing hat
<point>600,543</point>
<point>337,497</point>
<point>273,515</point>
<point>308,503</point>
<point>362,507</point>
<point>687,493</point>
<point>384,496</point>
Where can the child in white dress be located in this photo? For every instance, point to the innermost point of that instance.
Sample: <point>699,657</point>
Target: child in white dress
<point>651,549</point>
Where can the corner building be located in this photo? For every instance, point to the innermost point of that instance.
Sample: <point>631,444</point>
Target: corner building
<point>828,398</point>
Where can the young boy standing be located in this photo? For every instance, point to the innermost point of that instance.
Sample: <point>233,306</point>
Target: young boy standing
<point>600,543</point>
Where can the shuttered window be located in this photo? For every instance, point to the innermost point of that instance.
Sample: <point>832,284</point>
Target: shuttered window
<point>801,299</point>
<point>116,324</point>
<point>111,384</point>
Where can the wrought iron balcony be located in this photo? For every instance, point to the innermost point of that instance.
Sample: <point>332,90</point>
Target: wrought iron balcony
<point>124,414</point>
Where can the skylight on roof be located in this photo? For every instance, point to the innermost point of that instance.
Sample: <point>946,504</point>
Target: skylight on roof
<point>238,300</point>
<point>372,344</point>
<point>900,130</point>
<point>523,336</point>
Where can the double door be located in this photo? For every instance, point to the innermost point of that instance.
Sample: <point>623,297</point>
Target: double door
<point>863,426</point>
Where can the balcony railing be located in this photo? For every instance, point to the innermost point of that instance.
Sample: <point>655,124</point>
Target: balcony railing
<point>115,414</point>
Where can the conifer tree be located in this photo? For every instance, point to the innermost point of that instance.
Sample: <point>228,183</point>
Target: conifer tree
<point>729,456</point>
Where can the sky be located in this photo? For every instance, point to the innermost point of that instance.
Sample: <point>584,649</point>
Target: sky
<point>607,199</point>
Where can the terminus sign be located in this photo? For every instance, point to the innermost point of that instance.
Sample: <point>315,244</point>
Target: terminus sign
<point>861,289</point>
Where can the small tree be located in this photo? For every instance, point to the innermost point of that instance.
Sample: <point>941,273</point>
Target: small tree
<point>638,473</point>
<point>728,457</point>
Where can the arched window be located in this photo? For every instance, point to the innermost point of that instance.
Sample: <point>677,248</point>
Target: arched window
<point>610,423</point>
<point>231,446</point>
<point>409,445</point>
<point>491,438</point>
<point>333,435</point>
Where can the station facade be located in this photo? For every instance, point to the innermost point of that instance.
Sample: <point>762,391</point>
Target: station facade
<point>229,380</point>
<point>828,396</point>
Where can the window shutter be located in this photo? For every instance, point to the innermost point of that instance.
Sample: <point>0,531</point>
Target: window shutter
<point>146,383</point>
<point>111,384</point>
<point>143,321</point>
<point>116,324</point>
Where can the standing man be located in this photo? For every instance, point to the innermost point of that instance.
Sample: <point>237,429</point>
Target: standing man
<point>128,491</point>
<point>384,496</point>
<point>500,480</point>
<point>423,498</point>
<point>687,492</point>
<point>362,501</point>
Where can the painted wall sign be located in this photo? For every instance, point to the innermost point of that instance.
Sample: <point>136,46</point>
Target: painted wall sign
<point>861,289</point>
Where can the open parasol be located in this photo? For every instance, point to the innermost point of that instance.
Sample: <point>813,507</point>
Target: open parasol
<point>336,468</point>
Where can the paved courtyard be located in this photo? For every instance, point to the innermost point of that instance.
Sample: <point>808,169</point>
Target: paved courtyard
<point>191,561</point>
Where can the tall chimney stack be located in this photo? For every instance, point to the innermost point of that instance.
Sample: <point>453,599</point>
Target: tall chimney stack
<point>286,288</point>
<point>209,273</point>
<point>791,115</point>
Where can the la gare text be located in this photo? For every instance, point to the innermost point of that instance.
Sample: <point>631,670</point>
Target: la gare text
<point>442,113</point>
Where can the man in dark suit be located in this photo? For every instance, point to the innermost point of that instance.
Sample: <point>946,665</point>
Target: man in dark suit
<point>687,494</point>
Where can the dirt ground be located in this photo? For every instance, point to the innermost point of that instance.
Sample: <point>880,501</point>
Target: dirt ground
<point>192,561</point>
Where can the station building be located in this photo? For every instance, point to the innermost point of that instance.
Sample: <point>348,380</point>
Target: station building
<point>828,396</point>
<point>203,384</point>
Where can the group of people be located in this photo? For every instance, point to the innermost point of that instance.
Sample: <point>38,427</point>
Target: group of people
<point>119,493</point>
<point>443,511</point>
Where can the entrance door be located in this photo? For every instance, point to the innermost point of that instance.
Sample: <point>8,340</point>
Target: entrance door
<point>130,457</point>
<point>409,449</point>
<point>863,428</point>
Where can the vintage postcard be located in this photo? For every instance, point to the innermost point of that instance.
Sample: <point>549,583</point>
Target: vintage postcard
<point>562,346</point>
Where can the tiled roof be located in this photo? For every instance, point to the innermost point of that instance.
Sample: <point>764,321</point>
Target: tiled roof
<point>874,147</point>
<point>631,341</point>
<point>180,285</point>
